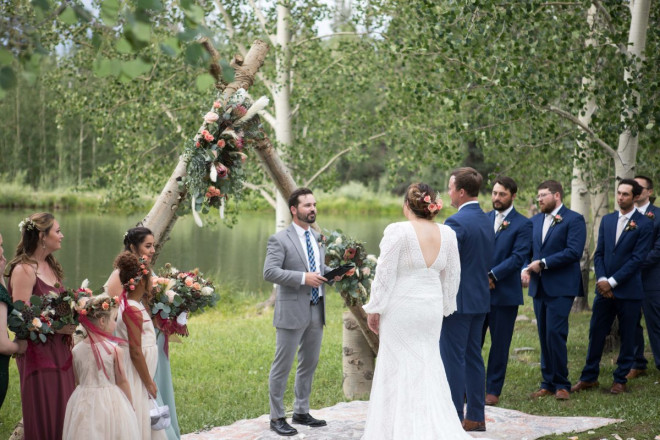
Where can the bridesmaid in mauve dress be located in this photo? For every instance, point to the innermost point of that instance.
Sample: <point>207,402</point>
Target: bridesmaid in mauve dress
<point>46,372</point>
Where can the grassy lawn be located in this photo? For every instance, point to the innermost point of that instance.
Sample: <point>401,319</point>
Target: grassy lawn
<point>221,374</point>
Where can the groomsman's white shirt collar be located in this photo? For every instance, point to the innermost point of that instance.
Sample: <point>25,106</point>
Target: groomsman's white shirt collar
<point>315,247</point>
<point>468,203</point>
<point>506,211</point>
<point>628,215</point>
<point>643,209</point>
<point>556,210</point>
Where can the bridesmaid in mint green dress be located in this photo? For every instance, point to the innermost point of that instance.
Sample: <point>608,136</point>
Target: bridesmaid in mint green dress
<point>140,241</point>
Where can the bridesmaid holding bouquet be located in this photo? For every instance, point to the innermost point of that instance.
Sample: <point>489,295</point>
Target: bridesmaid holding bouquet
<point>46,372</point>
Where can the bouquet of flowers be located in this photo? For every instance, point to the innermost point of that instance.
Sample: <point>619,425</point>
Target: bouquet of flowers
<point>178,293</point>
<point>65,305</point>
<point>341,249</point>
<point>31,320</point>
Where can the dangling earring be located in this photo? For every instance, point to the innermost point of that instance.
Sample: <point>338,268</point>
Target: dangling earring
<point>43,244</point>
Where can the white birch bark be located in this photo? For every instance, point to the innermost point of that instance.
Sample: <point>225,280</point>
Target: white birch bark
<point>628,143</point>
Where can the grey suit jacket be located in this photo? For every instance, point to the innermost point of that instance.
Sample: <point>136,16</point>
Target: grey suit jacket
<point>285,263</point>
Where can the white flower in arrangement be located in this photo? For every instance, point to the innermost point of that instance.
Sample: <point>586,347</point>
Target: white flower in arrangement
<point>361,288</point>
<point>84,284</point>
<point>207,291</point>
<point>170,295</point>
<point>36,322</point>
<point>174,270</point>
<point>253,110</point>
<point>366,271</point>
<point>238,97</point>
<point>372,258</point>
<point>82,302</point>
<point>338,241</point>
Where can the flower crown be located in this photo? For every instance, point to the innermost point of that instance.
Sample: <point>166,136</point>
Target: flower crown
<point>142,271</point>
<point>88,307</point>
<point>26,225</point>
<point>433,205</point>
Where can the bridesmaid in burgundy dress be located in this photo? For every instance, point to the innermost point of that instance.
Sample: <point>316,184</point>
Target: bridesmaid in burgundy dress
<point>46,372</point>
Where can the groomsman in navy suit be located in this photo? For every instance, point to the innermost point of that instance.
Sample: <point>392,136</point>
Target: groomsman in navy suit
<point>624,239</point>
<point>554,280</point>
<point>651,282</point>
<point>460,340</point>
<point>513,239</point>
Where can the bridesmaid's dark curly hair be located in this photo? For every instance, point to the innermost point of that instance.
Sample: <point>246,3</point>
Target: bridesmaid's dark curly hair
<point>415,195</point>
<point>129,266</point>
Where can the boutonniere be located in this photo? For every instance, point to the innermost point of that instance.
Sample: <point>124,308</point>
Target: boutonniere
<point>631,226</point>
<point>650,215</point>
<point>322,239</point>
<point>557,219</point>
<point>505,224</point>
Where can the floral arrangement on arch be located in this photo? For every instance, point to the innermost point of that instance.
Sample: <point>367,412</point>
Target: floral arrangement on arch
<point>177,294</point>
<point>341,249</point>
<point>216,154</point>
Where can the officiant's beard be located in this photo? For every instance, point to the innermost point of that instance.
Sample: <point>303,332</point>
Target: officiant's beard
<point>309,218</point>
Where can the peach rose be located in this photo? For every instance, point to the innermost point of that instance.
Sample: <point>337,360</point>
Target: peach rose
<point>36,322</point>
<point>105,305</point>
<point>196,286</point>
<point>211,117</point>
<point>189,281</point>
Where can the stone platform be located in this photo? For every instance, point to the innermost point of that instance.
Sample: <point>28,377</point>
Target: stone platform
<point>346,421</point>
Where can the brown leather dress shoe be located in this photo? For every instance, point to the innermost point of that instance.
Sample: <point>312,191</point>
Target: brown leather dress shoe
<point>471,425</point>
<point>492,399</point>
<point>618,388</point>
<point>580,386</point>
<point>562,395</point>
<point>542,392</point>
<point>633,373</point>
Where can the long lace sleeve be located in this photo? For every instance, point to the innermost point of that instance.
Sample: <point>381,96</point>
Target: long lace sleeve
<point>386,270</point>
<point>450,276</point>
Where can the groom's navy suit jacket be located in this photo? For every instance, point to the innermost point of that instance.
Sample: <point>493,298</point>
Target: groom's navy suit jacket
<point>562,250</point>
<point>512,246</point>
<point>476,243</point>
<point>622,260</point>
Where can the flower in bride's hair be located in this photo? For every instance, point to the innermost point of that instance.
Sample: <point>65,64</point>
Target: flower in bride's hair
<point>427,198</point>
<point>433,207</point>
<point>211,117</point>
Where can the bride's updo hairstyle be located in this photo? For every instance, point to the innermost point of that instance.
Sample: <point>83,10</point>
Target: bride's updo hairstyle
<point>421,200</point>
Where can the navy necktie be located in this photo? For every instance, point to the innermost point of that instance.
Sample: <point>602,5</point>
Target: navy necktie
<point>312,266</point>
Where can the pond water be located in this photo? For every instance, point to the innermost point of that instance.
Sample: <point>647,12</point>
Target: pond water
<point>228,255</point>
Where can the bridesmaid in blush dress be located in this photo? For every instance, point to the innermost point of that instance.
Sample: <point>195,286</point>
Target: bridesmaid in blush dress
<point>45,370</point>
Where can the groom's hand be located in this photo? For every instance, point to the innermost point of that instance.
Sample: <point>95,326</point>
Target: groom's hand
<point>314,279</point>
<point>524,278</point>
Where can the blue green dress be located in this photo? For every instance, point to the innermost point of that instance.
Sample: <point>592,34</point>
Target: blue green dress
<point>4,359</point>
<point>163,379</point>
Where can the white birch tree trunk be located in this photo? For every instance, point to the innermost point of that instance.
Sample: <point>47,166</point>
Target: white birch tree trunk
<point>580,197</point>
<point>628,142</point>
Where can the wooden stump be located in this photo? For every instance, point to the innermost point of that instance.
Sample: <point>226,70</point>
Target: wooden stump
<point>358,360</point>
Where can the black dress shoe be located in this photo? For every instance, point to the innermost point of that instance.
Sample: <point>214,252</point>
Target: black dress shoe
<point>306,419</point>
<point>281,427</point>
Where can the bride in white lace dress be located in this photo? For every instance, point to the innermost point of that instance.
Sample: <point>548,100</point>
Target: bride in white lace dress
<point>415,286</point>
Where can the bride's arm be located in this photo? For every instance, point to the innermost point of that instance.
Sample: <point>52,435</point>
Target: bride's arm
<point>450,276</point>
<point>386,270</point>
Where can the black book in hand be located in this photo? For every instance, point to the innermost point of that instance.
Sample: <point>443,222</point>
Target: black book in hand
<point>337,272</point>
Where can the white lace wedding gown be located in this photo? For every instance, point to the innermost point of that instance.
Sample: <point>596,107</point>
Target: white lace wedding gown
<point>410,396</point>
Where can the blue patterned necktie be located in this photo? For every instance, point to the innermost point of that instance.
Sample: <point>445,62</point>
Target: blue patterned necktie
<point>312,266</point>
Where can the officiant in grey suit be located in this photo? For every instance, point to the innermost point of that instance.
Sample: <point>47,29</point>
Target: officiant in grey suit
<point>295,260</point>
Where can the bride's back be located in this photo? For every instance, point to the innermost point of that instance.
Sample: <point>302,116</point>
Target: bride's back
<point>429,239</point>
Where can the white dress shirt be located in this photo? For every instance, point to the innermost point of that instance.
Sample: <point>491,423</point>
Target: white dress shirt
<point>611,280</point>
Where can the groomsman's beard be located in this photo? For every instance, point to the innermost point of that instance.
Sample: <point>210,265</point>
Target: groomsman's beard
<point>547,208</point>
<point>499,206</point>
<point>309,218</point>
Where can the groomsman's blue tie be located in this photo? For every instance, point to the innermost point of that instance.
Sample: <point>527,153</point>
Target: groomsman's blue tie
<point>312,266</point>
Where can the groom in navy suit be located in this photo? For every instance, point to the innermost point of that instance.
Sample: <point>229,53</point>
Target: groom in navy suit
<point>460,340</point>
<point>651,282</point>
<point>513,238</point>
<point>554,278</point>
<point>624,239</point>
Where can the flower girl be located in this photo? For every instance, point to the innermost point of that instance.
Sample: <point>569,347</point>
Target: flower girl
<point>100,407</point>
